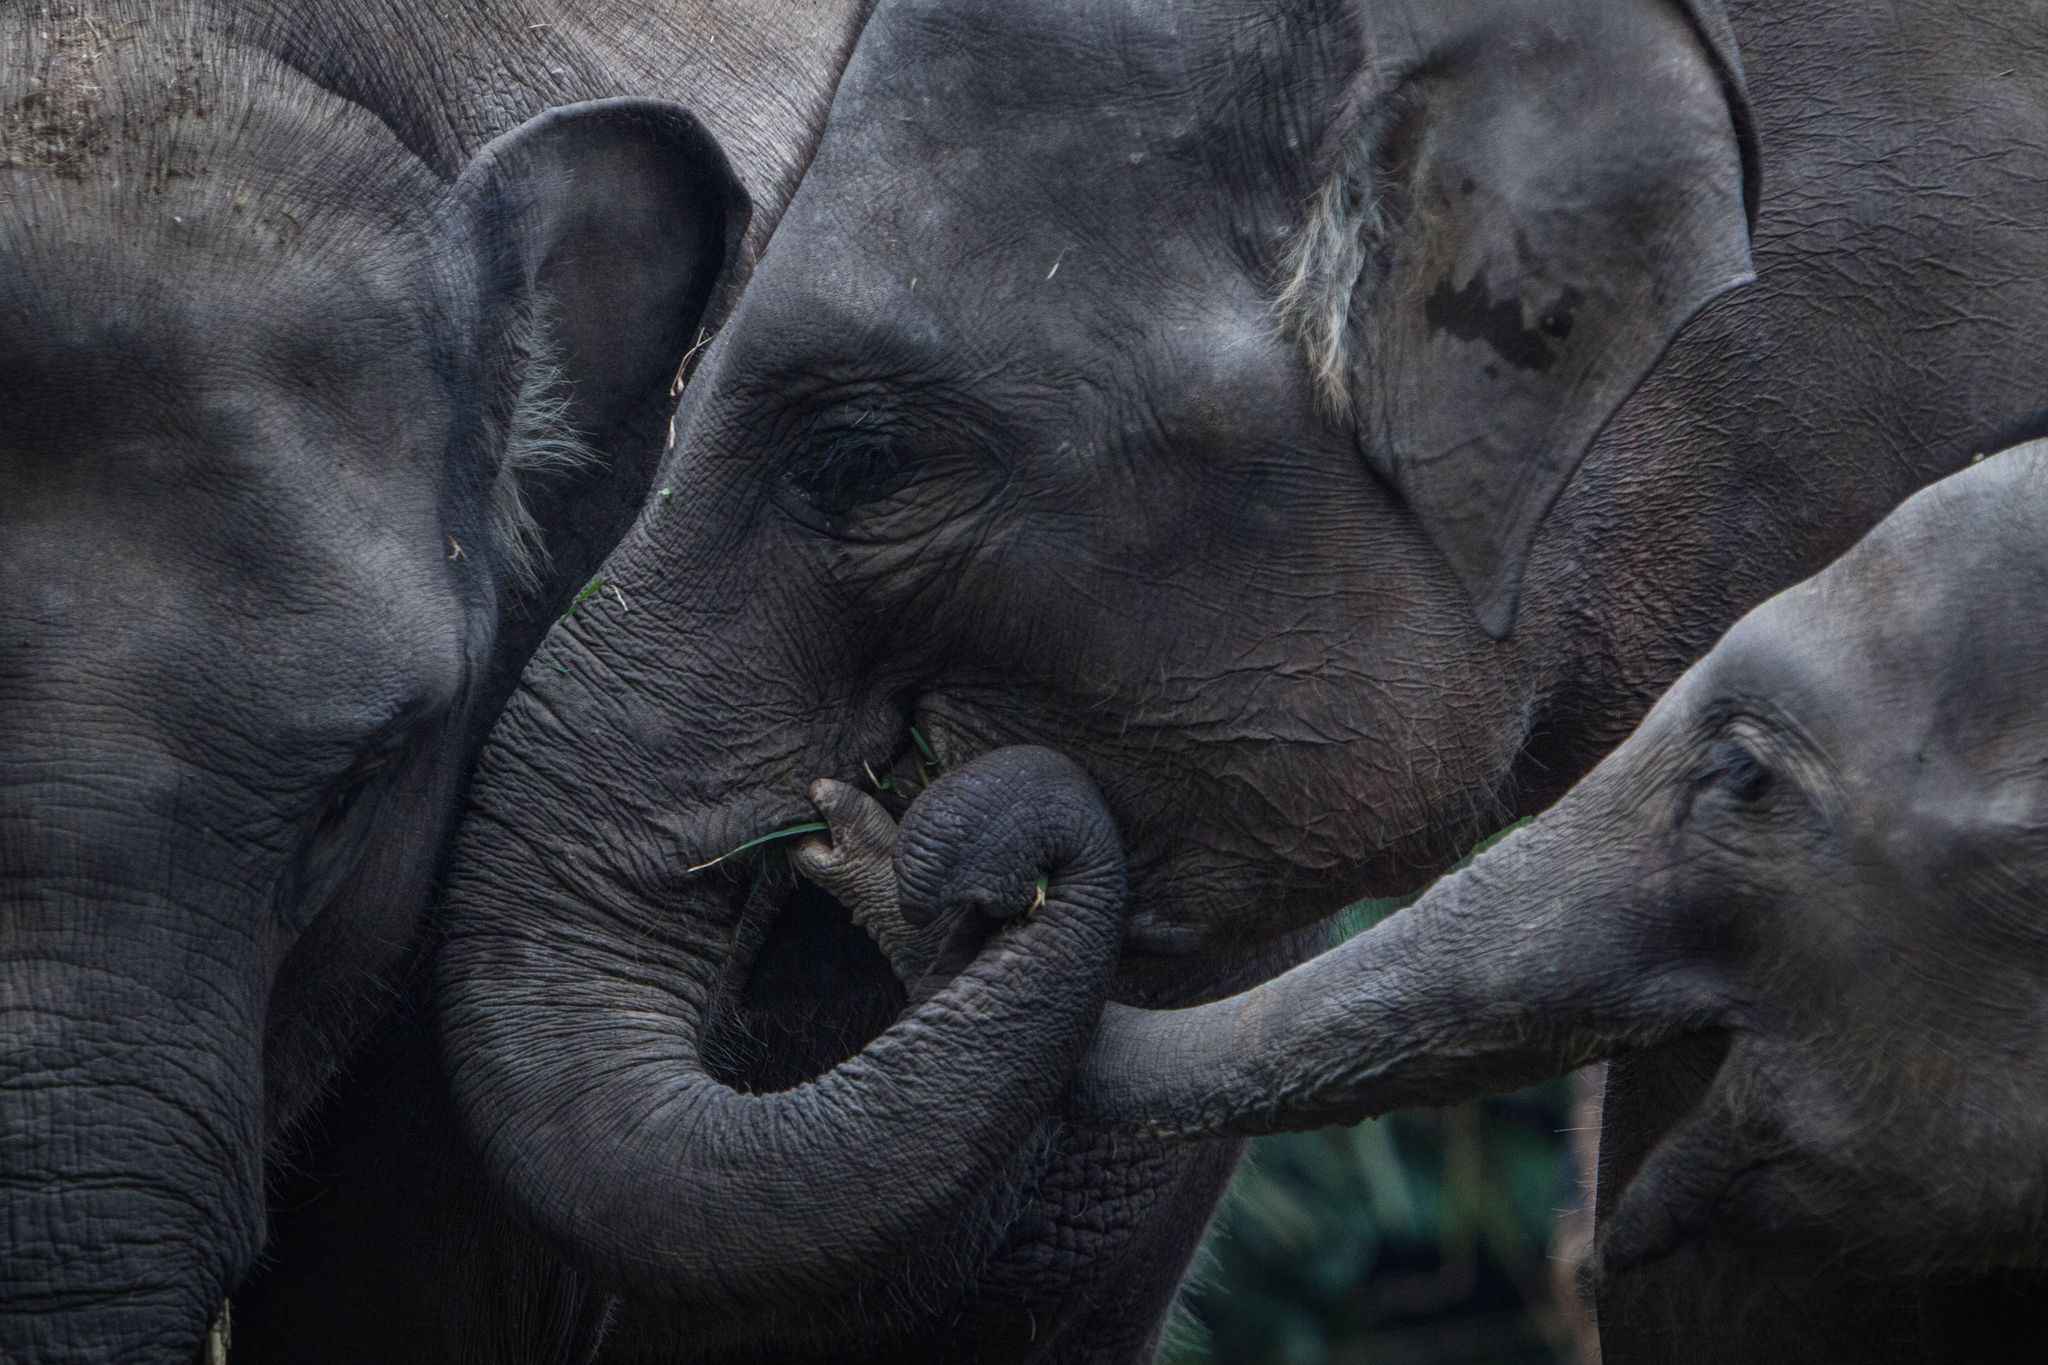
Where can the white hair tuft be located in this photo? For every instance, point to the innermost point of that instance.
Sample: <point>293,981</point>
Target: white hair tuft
<point>540,443</point>
<point>1327,261</point>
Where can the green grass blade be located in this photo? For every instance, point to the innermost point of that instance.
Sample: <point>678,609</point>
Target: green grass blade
<point>791,832</point>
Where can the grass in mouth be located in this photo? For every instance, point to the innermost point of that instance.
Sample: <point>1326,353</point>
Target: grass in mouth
<point>926,759</point>
<point>772,836</point>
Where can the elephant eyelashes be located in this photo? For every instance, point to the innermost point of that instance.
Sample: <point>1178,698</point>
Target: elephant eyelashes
<point>1736,770</point>
<point>337,835</point>
<point>374,764</point>
<point>840,474</point>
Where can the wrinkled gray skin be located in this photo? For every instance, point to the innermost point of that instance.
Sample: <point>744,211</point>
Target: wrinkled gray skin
<point>1183,386</point>
<point>268,410</point>
<point>1829,840</point>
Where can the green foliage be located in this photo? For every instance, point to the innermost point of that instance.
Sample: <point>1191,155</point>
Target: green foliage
<point>1417,1238</point>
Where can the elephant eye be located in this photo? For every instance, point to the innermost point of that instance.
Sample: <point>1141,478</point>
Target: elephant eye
<point>374,763</point>
<point>337,833</point>
<point>840,473</point>
<point>1735,768</point>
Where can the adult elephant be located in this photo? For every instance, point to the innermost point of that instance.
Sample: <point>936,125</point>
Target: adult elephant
<point>1186,387</point>
<point>333,361</point>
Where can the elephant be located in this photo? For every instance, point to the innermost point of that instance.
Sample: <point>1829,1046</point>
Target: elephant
<point>1332,423</point>
<point>339,348</point>
<point>1823,847</point>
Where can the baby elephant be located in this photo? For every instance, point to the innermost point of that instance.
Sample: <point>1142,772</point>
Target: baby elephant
<point>1829,840</point>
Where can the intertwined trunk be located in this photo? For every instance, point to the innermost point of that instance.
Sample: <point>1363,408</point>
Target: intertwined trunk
<point>1551,950</point>
<point>582,961</point>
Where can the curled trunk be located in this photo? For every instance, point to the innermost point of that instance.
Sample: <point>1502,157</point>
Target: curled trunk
<point>574,1013</point>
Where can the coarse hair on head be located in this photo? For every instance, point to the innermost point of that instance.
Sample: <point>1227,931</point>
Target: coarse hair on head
<point>1341,237</point>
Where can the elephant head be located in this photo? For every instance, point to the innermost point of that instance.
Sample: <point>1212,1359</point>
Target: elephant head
<point>300,447</point>
<point>1178,385</point>
<point>1829,841</point>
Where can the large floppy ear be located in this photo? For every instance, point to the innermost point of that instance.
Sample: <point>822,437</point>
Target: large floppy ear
<point>1540,194</point>
<point>605,234</point>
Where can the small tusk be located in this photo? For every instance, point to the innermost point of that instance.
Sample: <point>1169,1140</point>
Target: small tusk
<point>220,1335</point>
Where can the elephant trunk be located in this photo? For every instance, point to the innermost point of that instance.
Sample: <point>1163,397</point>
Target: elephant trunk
<point>130,1161</point>
<point>1533,961</point>
<point>574,999</point>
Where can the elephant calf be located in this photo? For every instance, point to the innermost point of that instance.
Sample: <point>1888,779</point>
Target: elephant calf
<point>1829,840</point>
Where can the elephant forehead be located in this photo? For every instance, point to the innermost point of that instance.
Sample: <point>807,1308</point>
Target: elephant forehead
<point>1019,56</point>
<point>1928,628</point>
<point>215,545</point>
<point>187,226</point>
<point>234,433</point>
<point>157,338</point>
<point>1036,134</point>
<point>144,109</point>
<point>226,385</point>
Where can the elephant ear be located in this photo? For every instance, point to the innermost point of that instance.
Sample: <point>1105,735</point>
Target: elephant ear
<point>1544,192</point>
<point>605,234</point>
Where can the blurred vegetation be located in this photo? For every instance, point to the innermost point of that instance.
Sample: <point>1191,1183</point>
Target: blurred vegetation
<point>1420,1238</point>
<point>1424,1238</point>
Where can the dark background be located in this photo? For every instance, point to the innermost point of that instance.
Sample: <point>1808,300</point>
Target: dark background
<point>1429,1238</point>
<point>1449,1237</point>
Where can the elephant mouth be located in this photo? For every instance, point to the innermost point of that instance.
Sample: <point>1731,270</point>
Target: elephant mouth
<point>1656,1217</point>
<point>806,987</point>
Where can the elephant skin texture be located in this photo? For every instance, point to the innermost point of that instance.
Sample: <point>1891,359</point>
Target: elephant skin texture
<point>339,347</point>
<point>1332,425</point>
<point>1823,855</point>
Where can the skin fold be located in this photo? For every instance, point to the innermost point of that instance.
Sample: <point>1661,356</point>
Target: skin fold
<point>1825,846</point>
<point>1242,409</point>
<point>339,346</point>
